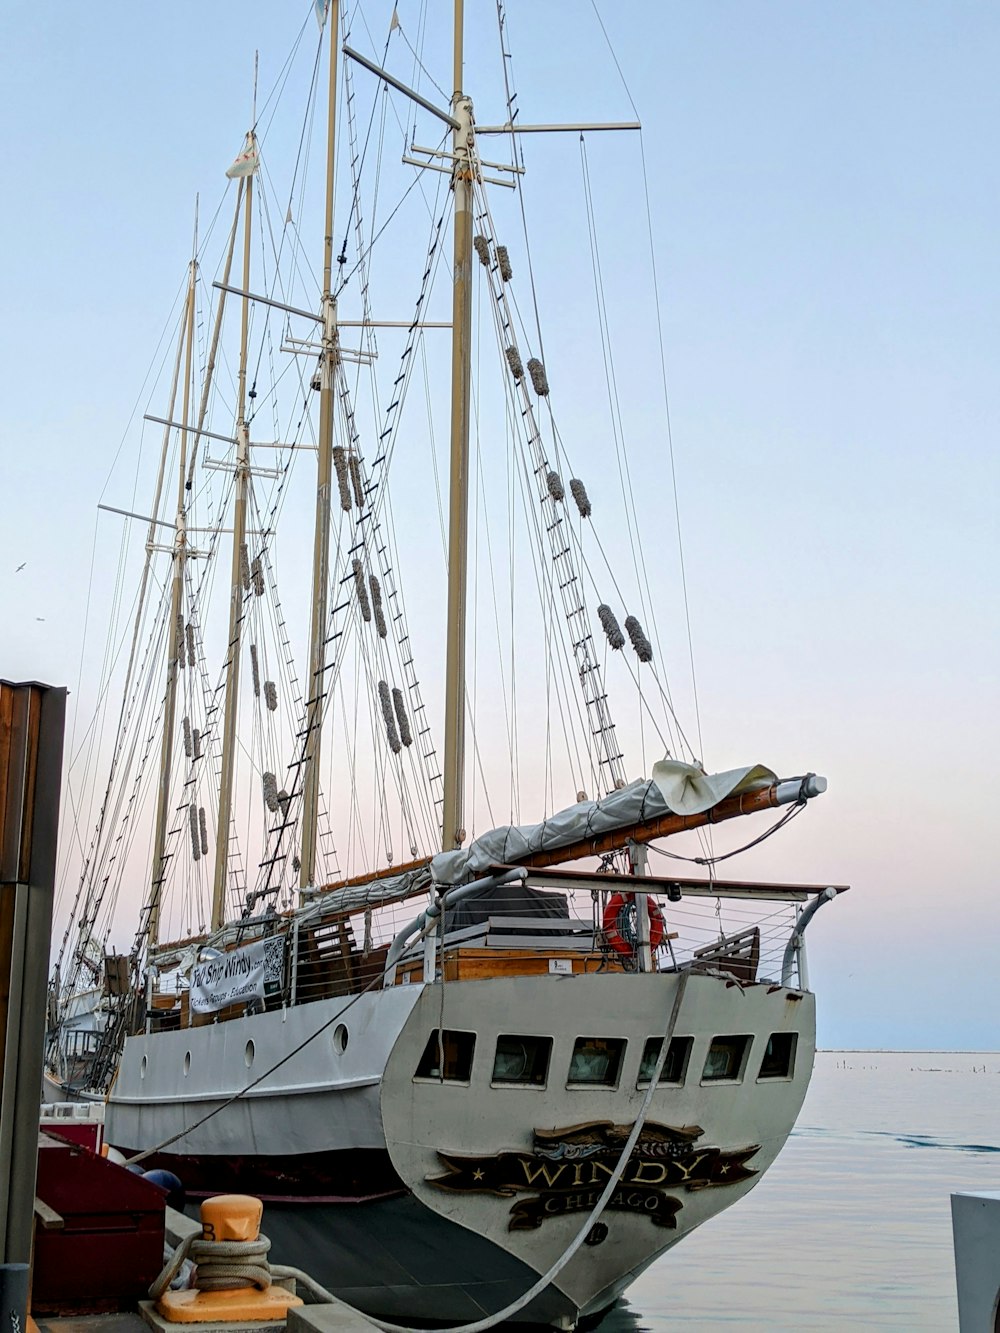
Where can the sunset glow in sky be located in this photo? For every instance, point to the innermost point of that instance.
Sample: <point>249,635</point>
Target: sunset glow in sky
<point>825,189</point>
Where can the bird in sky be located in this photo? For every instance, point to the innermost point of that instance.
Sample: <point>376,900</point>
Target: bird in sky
<point>39,617</point>
<point>20,567</point>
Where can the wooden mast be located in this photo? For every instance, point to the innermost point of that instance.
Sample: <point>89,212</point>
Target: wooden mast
<point>453,817</point>
<point>236,581</point>
<point>175,634</point>
<point>315,681</point>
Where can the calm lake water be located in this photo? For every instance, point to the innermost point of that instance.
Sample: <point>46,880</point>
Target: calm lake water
<point>851,1227</point>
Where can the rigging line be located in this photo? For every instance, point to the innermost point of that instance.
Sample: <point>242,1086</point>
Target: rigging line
<point>402,199</point>
<point>624,466</point>
<point>712,860</point>
<point>496,609</point>
<point>421,342</point>
<point>670,448</point>
<point>603,733</point>
<point>278,87</point>
<point>380,87</point>
<point>617,427</point>
<point>662,688</point>
<point>545,576</point>
<point>423,68</point>
<point>663,375</point>
<point>435,252</point>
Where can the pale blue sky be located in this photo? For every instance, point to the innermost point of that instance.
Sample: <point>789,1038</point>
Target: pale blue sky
<point>825,189</point>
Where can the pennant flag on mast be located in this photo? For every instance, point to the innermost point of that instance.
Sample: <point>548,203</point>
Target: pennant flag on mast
<point>247,162</point>
<point>394,22</point>
<point>321,7</point>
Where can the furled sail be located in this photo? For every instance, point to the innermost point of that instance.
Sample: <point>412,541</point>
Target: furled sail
<point>674,788</point>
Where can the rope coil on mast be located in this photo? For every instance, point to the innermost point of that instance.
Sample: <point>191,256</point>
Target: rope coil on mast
<point>539,379</point>
<point>514,361</point>
<point>195,831</point>
<point>257,576</point>
<point>643,648</point>
<point>405,734</point>
<point>389,716</point>
<point>482,249</point>
<point>356,483</point>
<point>270,785</point>
<point>359,583</point>
<point>343,484</point>
<point>612,629</point>
<point>579,493</point>
<point>377,607</point>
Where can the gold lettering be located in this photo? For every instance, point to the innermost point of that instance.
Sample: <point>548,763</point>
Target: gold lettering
<point>640,1176</point>
<point>596,1167</point>
<point>686,1172</point>
<point>550,1174</point>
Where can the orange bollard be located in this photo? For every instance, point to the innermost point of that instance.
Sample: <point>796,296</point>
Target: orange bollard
<point>225,1219</point>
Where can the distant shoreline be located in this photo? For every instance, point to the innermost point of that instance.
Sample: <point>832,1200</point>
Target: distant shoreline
<point>898,1050</point>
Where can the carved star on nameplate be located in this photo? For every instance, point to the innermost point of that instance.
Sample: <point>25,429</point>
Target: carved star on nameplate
<point>567,1169</point>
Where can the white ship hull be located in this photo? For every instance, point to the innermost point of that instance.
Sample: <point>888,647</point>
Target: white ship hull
<point>344,1144</point>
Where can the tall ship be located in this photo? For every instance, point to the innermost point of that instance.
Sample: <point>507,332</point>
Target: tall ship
<point>438,965</point>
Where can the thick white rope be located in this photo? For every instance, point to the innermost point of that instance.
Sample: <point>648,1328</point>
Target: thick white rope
<point>223,1265</point>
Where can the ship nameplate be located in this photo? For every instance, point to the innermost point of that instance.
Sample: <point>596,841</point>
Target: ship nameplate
<point>567,1170</point>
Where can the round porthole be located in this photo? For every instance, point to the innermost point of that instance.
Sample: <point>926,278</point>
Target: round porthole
<point>340,1039</point>
<point>187,1063</point>
<point>143,1063</point>
<point>249,1053</point>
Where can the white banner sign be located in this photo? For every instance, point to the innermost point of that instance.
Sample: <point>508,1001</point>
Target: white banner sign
<point>252,972</point>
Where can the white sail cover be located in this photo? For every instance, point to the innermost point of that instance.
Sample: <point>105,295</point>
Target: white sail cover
<point>674,788</point>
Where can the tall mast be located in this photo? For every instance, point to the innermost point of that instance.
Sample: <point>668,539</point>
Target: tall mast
<point>453,817</point>
<point>175,635</point>
<point>236,582</point>
<point>315,683</point>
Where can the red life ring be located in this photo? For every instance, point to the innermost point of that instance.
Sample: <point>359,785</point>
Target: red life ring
<point>610,922</point>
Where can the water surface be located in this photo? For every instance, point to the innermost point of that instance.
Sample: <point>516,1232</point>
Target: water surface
<point>851,1227</point>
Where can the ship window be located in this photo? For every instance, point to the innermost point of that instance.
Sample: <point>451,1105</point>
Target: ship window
<point>674,1066</point>
<point>596,1061</point>
<point>522,1059</point>
<point>725,1059</point>
<point>448,1055</point>
<point>779,1056</point>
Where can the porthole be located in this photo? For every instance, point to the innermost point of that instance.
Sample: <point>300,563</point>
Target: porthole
<point>340,1039</point>
<point>248,1053</point>
<point>143,1064</point>
<point>187,1063</point>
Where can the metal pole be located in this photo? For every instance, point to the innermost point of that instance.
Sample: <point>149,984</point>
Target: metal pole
<point>236,589</point>
<point>315,681</point>
<point>32,721</point>
<point>453,813</point>
<point>175,639</point>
